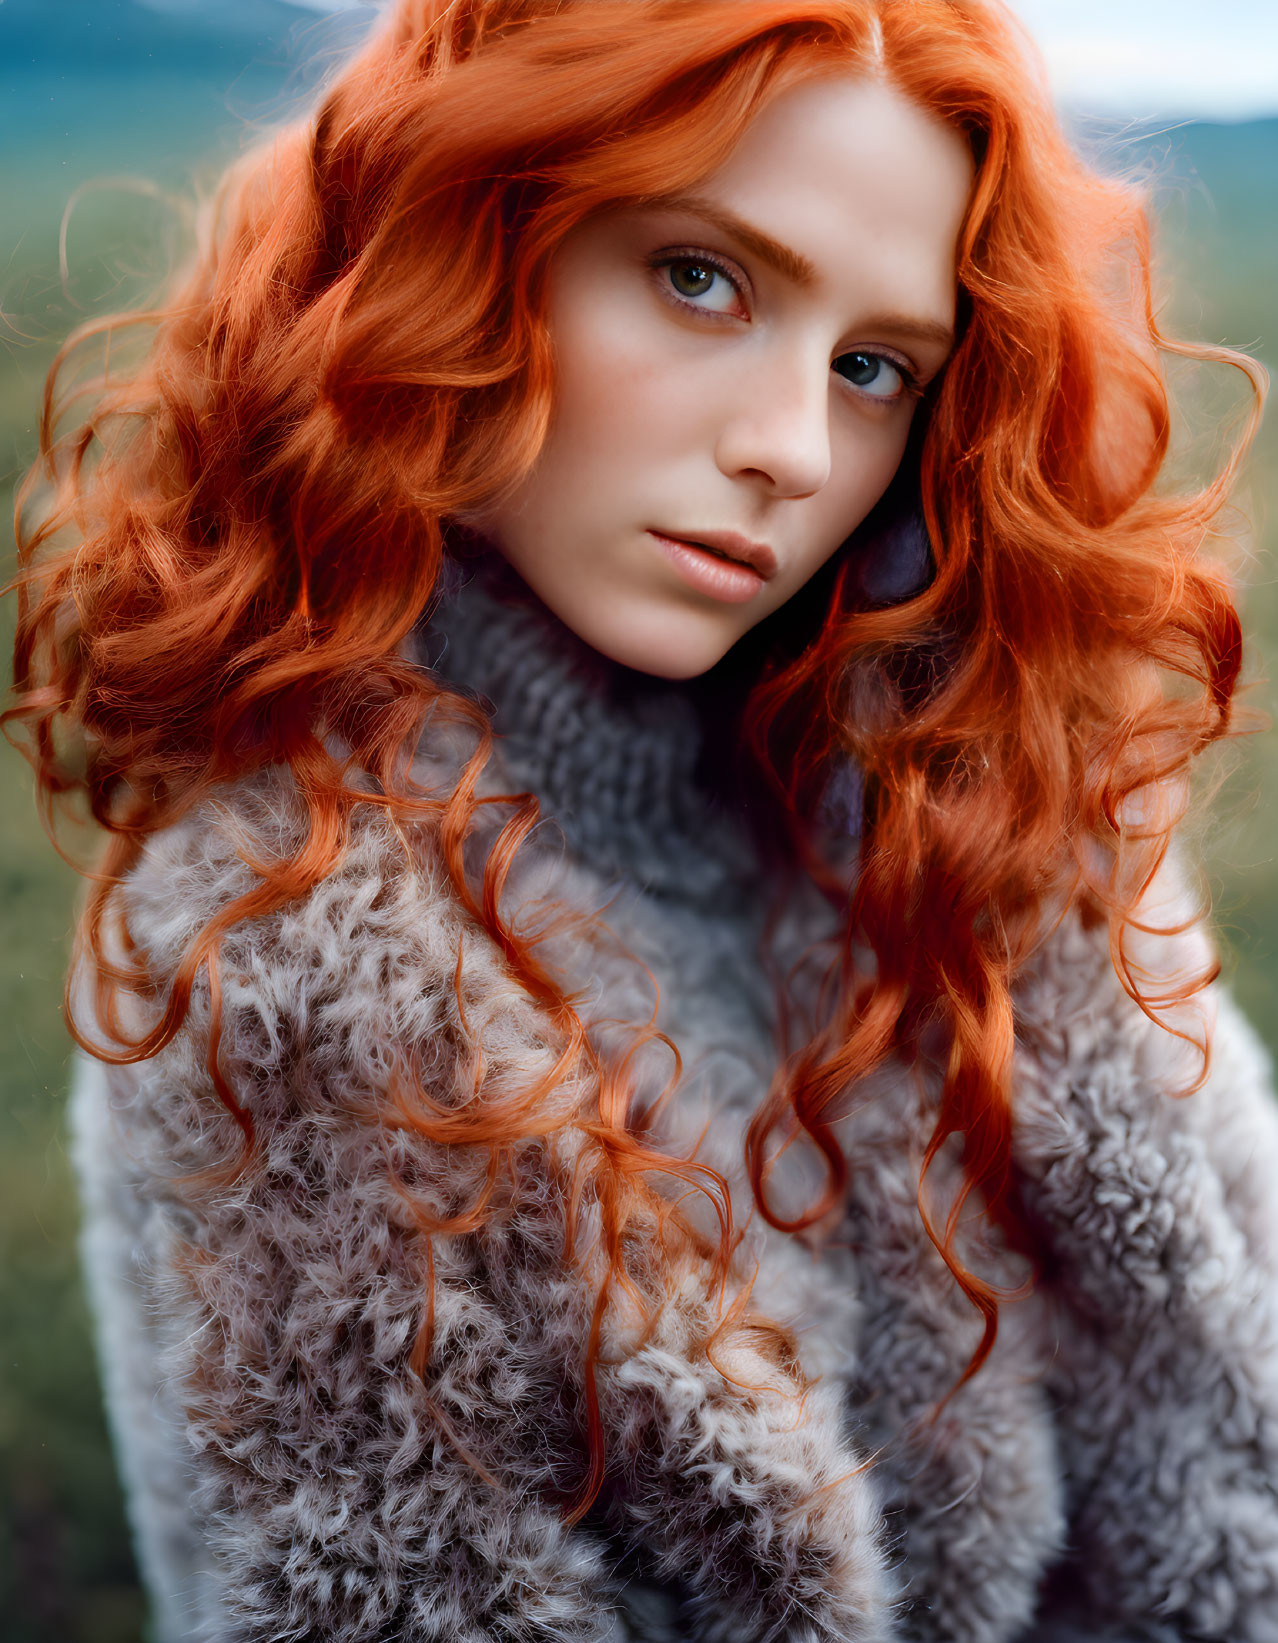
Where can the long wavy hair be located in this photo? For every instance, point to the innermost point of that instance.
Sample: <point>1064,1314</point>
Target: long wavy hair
<point>224,545</point>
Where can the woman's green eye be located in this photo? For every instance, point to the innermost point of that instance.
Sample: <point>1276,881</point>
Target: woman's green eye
<point>691,279</point>
<point>701,284</point>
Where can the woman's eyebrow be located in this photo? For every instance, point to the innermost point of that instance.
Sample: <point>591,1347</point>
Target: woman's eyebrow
<point>793,265</point>
<point>914,330</point>
<point>796,268</point>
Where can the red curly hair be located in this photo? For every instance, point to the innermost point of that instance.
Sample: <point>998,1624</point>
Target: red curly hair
<point>233,541</point>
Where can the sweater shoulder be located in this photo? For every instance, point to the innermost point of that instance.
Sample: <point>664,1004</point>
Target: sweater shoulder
<point>1076,1001</point>
<point>191,874</point>
<point>377,972</point>
<point>1119,1104</point>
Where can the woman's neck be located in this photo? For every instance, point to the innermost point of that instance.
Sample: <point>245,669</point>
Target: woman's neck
<point>631,766</point>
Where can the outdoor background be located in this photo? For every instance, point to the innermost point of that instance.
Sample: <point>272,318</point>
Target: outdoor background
<point>129,93</point>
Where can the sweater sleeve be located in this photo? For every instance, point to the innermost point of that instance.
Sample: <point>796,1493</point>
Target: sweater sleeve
<point>342,1494</point>
<point>1160,1221</point>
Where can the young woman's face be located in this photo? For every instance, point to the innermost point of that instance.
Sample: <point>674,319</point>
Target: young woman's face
<point>737,368</point>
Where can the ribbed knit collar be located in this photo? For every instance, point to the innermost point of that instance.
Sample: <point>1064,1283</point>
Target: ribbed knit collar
<point>616,756</point>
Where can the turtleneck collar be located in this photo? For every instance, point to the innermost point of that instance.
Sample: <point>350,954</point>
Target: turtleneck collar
<point>624,761</point>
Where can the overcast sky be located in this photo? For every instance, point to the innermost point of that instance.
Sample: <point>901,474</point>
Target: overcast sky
<point>1143,57</point>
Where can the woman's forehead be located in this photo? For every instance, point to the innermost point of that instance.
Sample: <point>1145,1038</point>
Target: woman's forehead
<point>845,178</point>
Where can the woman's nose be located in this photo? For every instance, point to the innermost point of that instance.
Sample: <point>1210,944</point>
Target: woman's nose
<point>778,427</point>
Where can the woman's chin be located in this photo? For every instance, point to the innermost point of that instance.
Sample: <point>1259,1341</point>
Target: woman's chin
<point>666,645</point>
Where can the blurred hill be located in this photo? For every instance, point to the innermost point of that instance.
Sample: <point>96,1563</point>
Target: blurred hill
<point>91,88</point>
<point>76,72</point>
<point>109,39</point>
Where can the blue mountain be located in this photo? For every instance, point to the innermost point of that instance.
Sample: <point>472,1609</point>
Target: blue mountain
<point>110,69</point>
<point>126,37</point>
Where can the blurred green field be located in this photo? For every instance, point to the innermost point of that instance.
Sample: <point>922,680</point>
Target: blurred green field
<point>68,1574</point>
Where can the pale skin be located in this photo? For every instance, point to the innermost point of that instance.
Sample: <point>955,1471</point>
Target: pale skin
<point>744,359</point>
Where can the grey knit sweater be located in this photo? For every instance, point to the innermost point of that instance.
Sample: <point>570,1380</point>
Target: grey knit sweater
<point>1111,1473</point>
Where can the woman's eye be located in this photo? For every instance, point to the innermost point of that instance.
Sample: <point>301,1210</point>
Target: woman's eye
<point>702,284</point>
<point>873,374</point>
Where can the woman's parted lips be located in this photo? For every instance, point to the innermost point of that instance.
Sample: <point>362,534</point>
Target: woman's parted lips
<point>757,555</point>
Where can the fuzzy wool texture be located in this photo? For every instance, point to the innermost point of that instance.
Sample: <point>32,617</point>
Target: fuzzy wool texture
<point>1111,1473</point>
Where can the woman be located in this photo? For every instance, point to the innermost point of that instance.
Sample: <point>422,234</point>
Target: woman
<point>640,686</point>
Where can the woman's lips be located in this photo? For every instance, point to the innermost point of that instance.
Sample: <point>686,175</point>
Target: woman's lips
<point>757,555</point>
<point>727,580</point>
